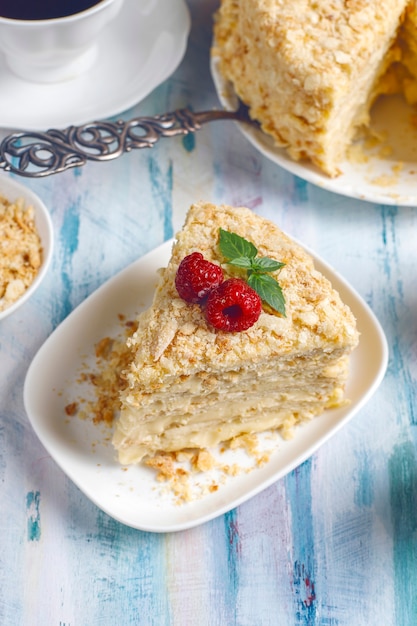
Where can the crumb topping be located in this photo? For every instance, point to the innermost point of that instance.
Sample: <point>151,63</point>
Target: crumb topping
<point>315,313</point>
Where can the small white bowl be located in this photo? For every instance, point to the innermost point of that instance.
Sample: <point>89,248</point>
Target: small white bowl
<point>12,190</point>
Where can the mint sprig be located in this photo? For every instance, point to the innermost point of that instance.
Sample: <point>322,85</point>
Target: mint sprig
<point>242,253</point>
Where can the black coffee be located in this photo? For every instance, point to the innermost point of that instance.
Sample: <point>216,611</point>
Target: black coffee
<point>43,9</point>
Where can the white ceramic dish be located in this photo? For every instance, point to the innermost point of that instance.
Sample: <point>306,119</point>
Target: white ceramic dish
<point>386,177</point>
<point>136,53</point>
<point>83,450</point>
<point>12,190</point>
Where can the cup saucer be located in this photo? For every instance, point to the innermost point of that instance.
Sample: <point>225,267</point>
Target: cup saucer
<point>136,53</point>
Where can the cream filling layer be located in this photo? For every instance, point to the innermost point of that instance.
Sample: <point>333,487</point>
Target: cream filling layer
<point>202,435</point>
<point>201,424</point>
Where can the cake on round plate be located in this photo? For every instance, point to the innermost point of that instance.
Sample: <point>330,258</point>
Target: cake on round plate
<point>310,70</point>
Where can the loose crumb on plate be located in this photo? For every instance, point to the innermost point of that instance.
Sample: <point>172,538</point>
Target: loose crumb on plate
<point>106,379</point>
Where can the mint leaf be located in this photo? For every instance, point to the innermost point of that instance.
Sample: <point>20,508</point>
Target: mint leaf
<point>242,261</point>
<point>269,290</point>
<point>265,264</point>
<point>234,246</point>
<point>242,253</point>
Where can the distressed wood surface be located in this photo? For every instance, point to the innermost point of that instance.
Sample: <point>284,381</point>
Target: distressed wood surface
<point>334,542</point>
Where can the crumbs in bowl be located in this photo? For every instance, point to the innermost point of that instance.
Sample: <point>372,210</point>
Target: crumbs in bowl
<point>20,250</point>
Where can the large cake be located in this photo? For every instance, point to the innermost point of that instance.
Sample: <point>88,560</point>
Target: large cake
<point>191,385</point>
<point>310,70</point>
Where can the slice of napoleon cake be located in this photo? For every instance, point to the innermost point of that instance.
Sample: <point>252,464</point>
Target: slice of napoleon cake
<point>217,361</point>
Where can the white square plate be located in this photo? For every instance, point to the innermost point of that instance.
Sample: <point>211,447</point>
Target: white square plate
<point>132,495</point>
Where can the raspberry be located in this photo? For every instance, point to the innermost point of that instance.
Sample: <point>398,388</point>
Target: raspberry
<point>233,306</point>
<point>196,277</point>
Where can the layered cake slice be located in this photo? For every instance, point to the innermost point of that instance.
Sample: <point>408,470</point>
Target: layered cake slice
<point>207,369</point>
<point>310,70</point>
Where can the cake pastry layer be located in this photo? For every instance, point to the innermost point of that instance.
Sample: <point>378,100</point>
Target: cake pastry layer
<point>310,70</point>
<point>190,385</point>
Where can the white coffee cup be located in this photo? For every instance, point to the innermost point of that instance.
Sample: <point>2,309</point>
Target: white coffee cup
<point>56,49</point>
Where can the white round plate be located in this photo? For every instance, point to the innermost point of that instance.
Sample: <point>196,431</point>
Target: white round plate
<point>385,174</point>
<point>136,53</point>
<point>132,495</point>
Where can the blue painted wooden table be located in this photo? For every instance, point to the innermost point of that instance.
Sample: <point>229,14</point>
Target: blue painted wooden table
<point>334,542</point>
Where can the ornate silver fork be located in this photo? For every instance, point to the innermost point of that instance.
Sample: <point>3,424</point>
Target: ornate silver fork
<point>36,154</point>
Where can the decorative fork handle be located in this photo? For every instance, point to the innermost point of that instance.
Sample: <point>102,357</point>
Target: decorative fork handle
<point>37,154</point>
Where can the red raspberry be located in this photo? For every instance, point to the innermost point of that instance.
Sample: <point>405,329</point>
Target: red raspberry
<point>196,277</point>
<point>233,306</point>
